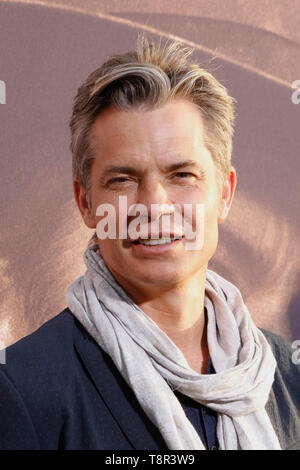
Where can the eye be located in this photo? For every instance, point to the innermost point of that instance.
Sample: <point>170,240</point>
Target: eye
<point>120,179</point>
<point>184,175</point>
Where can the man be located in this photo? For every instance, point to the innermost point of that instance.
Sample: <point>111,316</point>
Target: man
<point>154,351</point>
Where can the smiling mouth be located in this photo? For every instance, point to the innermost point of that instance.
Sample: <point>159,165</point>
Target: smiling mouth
<point>156,241</point>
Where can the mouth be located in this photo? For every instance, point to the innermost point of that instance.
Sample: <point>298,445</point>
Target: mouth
<point>157,240</point>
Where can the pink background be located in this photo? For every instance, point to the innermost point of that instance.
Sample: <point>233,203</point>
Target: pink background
<point>48,49</point>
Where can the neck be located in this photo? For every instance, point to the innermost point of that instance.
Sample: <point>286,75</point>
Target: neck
<point>179,312</point>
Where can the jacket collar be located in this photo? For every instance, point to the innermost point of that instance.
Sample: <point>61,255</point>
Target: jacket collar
<point>117,395</point>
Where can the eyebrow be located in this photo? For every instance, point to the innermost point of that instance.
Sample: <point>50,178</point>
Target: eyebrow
<point>113,169</point>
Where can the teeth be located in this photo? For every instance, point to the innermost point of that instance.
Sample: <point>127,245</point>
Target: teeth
<point>160,241</point>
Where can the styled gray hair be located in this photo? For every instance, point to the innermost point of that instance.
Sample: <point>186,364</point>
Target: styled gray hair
<point>147,78</point>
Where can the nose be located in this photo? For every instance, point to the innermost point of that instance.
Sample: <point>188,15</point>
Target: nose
<point>154,196</point>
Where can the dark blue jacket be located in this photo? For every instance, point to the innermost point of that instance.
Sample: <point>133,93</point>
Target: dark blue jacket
<point>60,390</point>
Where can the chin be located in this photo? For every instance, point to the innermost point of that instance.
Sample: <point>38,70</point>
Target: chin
<point>162,276</point>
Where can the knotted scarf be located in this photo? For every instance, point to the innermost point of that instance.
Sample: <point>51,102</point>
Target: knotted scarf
<point>153,366</point>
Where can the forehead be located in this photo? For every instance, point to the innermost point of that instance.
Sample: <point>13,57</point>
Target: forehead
<point>178,119</point>
<point>149,136</point>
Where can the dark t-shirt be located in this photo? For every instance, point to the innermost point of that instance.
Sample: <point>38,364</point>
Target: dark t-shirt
<point>202,418</point>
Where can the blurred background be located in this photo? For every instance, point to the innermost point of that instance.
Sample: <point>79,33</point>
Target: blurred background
<point>48,48</point>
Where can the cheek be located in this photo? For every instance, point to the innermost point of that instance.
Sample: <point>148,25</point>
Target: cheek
<point>107,247</point>
<point>208,200</point>
<point>208,222</point>
<point>211,230</point>
<point>108,206</point>
<point>111,253</point>
<point>211,219</point>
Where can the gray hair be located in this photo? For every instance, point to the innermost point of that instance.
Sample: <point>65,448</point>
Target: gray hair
<point>146,78</point>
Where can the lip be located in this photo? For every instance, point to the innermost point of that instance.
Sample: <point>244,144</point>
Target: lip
<point>158,235</point>
<point>140,249</point>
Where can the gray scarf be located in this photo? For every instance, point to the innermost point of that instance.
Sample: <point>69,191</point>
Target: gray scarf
<point>153,365</point>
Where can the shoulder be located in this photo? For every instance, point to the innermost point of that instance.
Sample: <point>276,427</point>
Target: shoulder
<point>284,402</point>
<point>42,347</point>
<point>36,381</point>
<point>40,364</point>
<point>288,367</point>
<point>279,345</point>
<point>284,354</point>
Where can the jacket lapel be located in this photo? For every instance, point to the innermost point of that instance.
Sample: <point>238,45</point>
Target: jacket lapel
<point>116,394</point>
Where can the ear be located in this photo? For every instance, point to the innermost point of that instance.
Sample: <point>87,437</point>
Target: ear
<point>81,200</point>
<point>227,194</point>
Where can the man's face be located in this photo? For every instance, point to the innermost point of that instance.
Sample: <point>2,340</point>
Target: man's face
<point>147,143</point>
